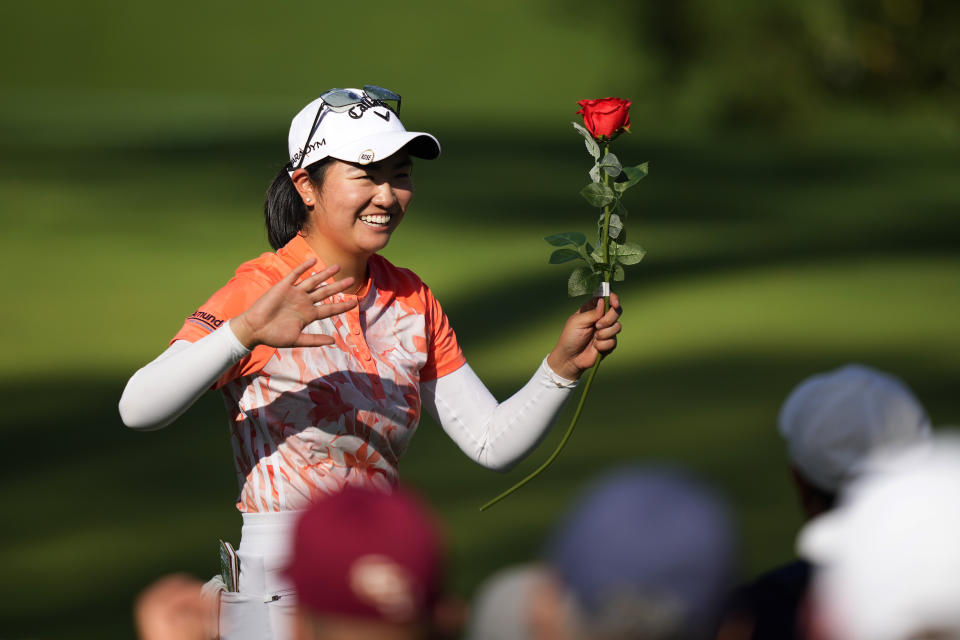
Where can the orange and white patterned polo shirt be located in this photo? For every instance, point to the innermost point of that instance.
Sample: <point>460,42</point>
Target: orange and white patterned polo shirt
<point>305,421</point>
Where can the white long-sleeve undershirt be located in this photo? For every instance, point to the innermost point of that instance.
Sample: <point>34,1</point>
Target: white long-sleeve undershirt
<point>495,435</point>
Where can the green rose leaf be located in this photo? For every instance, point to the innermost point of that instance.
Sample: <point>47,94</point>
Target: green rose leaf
<point>585,251</point>
<point>618,274</point>
<point>595,173</point>
<point>588,253</point>
<point>611,164</point>
<point>616,226</point>
<point>598,194</point>
<point>632,176</point>
<point>563,239</point>
<point>582,282</point>
<point>592,147</point>
<point>630,253</point>
<point>582,130</point>
<point>564,255</point>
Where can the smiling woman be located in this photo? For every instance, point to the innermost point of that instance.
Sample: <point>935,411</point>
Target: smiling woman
<point>325,352</point>
<point>356,209</point>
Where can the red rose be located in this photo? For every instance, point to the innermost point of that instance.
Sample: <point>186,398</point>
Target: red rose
<point>605,118</point>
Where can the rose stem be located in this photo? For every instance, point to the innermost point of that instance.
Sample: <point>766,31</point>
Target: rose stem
<point>596,363</point>
<point>607,268</point>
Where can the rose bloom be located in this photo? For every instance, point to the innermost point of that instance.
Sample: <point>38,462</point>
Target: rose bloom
<point>605,118</point>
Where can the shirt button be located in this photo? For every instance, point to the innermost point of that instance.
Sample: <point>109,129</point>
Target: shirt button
<point>356,330</point>
<point>367,356</point>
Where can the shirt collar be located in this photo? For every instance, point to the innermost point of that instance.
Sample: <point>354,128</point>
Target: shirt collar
<point>298,250</point>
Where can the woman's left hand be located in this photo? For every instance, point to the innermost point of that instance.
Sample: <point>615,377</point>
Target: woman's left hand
<point>587,333</point>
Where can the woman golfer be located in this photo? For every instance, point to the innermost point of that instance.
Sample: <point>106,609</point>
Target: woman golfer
<point>324,351</point>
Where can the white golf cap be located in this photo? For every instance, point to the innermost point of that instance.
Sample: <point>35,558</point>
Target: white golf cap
<point>888,557</point>
<point>833,421</point>
<point>366,132</point>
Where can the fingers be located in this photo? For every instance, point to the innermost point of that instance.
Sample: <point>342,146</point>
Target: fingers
<point>605,346</point>
<point>608,334</point>
<point>335,308</point>
<point>590,305</point>
<point>615,303</point>
<point>611,317</point>
<point>314,280</point>
<point>324,311</point>
<point>591,312</point>
<point>588,314</point>
<point>298,271</point>
<point>314,286</point>
<point>314,340</point>
<point>328,290</point>
<point>608,326</point>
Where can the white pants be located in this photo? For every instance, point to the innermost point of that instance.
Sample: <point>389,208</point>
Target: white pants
<point>263,607</point>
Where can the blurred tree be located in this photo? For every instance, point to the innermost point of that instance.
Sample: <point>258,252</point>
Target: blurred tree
<point>772,62</point>
<point>892,49</point>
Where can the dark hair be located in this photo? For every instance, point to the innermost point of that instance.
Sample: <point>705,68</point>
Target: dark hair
<point>283,210</point>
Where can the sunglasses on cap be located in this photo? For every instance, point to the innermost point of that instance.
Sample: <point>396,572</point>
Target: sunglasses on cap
<point>340,100</point>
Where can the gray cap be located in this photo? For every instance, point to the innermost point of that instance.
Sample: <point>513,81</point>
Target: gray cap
<point>833,421</point>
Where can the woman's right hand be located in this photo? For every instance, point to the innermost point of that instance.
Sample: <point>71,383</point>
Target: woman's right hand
<point>279,316</point>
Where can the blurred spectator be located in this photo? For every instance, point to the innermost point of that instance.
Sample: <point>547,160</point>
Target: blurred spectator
<point>366,564</point>
<point>644,554</point>
<point>832,422</point>
<point>519,603</point>
<point>172,609</point>
<point>888,557</point>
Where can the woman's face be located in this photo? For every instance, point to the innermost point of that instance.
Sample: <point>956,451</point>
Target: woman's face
<point>359,206</point>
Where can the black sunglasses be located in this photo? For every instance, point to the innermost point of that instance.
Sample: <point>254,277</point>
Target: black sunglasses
<point>340,100</point>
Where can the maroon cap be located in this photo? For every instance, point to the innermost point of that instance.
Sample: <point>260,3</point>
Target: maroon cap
<point>368,554</point>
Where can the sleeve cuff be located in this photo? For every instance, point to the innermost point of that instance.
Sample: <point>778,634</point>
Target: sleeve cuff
<point>237,350</point>
<point>554,379</point>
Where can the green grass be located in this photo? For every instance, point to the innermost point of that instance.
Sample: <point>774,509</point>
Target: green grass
<point>768,260</point>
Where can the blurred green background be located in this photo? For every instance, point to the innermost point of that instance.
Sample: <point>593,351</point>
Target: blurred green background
<point>801,212</point>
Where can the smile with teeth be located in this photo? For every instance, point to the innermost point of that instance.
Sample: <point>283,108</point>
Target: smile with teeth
<point>379,220</point>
